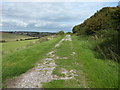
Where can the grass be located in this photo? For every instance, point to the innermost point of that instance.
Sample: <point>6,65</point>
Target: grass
<point>12,37</point>
<point>54,84</point>
<point>97,73</point>
<point>107,44</point>
<point>65,50</point>
<point>13,46</point>
<point>19,62</point>
<point>0,70</point>
<point>102,73</point>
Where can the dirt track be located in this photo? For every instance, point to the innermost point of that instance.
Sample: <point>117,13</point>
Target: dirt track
<point>41,73</point>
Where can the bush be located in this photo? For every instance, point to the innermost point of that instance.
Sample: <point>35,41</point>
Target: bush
<point>105,19</point>
<point>108,48</point>
<point>60,33</point>
<point>2,41</point>
<point>69,33</point>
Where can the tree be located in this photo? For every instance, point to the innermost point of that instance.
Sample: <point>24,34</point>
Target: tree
<point>69,33</point>
<point>60,33</point>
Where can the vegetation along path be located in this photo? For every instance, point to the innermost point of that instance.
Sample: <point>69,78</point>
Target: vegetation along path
<point>71,63</point>
<point>42,72</point>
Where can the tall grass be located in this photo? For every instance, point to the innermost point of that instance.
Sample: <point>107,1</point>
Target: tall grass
<point>103,73</point>
<point>10,47</point>
<point>15,46</point>
<point>94,72</point>
<point>19,62</point>
<point>107,44</point>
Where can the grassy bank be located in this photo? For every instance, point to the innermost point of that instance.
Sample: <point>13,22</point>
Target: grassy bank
<point>104,27</point>
<point>103,73</point>
<point>19,62</point>
<point>92,72</point>
<point>107,44</point>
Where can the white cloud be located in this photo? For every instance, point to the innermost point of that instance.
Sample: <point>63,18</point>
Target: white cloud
<point>22,24</point>
<point>41,24</point>
<point>15,22</point>
<point>60,0</point>
<point>1,24</point>
<point>44,15</point>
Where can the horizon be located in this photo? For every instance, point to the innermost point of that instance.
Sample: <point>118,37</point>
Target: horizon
<point>28,31</point>
<point>47,16</point>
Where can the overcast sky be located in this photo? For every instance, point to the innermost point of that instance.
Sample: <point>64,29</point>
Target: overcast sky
<point>47,17</point>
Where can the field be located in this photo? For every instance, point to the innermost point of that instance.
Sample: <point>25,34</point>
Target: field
<point>16,46</point>
<point>12,37</point>
<point>12,45</point>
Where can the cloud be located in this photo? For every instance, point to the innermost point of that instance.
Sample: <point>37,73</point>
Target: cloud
<point>51,25</point>
<point>60,0</point>
<point>47,15</point>
<point>1,24</point>
<point>15,22</point>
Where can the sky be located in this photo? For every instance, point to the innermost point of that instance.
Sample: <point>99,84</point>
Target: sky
<point>47,16</point>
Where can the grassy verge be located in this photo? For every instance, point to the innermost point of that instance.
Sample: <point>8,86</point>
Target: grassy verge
<point>102,73</point>
<point>95,73</point>
<point>107,44</point>
<point>19,62</point>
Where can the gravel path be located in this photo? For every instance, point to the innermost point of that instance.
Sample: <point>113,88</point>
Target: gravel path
<point>41,73</point>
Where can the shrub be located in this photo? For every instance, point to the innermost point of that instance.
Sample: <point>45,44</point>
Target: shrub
<point>69,33</point>
<point>60,33</point>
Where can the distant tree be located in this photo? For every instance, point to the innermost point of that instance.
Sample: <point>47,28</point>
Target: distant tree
<point>3,41</point>
<point>60,33</point>
<point>21,39</point>
<point>17,40</point>
<point>69,33</point>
